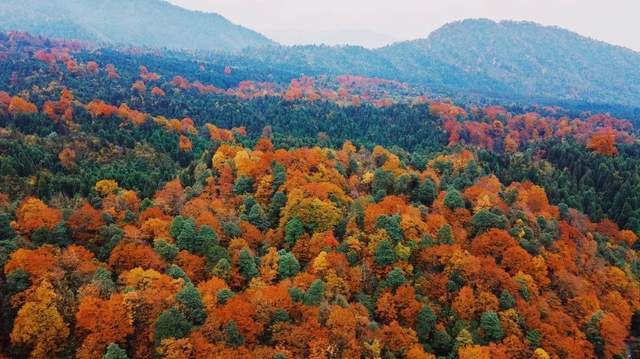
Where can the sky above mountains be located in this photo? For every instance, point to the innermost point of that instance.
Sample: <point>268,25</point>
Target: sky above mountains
<point>374,23</point>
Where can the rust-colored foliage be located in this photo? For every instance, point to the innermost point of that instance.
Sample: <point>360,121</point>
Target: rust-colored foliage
<point>126,256</point>
<point>603,142</point>
<point>85,222</point>
<point>263,251</point>
<point>104,321</point>
<point>67,157</point>
<point>20,106</point>
<point>34,214</point>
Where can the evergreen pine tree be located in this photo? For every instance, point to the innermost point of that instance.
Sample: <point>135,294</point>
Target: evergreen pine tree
<point>288,266</point>
<point>315,294</point>
<point>187,239</point>
<point>232,334</point>
<point>385,255</point>
<point>425,323</point>
<point>171,324</point>
<point>445,236</point>
<point>115,352</point>
<point>247,265</point>
<point>425,193</point>
<point>453,199</point>
<point>190,303</point>
<point>257,217</point>
<point>491,327</point>
<point>293,231</point>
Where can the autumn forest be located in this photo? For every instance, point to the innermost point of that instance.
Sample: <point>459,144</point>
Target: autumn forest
<point>160,204</point>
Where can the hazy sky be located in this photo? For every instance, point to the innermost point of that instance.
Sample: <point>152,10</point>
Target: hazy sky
<point>378,21</point>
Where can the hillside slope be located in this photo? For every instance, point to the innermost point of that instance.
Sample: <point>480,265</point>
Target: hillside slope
<point>528,59</point>
<point>154,23</point>
<point>510,60</point>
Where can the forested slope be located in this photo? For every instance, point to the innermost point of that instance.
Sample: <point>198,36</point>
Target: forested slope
<point>150,23</point>
<point>156,207</point>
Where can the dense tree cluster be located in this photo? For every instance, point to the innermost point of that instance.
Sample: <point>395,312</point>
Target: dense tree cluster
<point>132,225</point>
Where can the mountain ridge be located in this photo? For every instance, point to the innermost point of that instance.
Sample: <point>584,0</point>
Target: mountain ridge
<point>152,23</point>
<point>506,59</point>
<point>529,58</point>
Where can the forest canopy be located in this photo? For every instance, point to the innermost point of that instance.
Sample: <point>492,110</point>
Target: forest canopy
<point>160,208</point>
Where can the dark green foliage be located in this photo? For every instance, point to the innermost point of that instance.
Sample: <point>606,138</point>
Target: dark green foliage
<point>56,236</point>
<point>280,315</point>
<point>396,278</point>
<point>176,272</point>
<point>115,352</point>
<point>442,342</point>
<point>405,184</point>
<point>243,185</point>
<point>425,323</point>
<point>385,255</point>
<point>456,281</point>
<point>288,266</point>
<point>279,175</point>
<point>171,324</point>
<point>453,199</point>
<point>315,294</point>
<point>359,214</point>
<point>103,280</point>
<point>296,294</point>
<point>635,324</point>
<point>130,217</point>
<point>491,327</point>
<point>231,229</point>
<point>6,232</point>
<point>293,231</point>
<point>485,219</point>
<point>367,302</point>
<point>222,268</point>
<point>17,281</point>
<point>190,304</point>
<point>506,300</point>
<point>445,235</point>
<point>207,236</point>
<point>379,195</point>
<point>278,201</point>
<point>165,250</point>
<point>176,226</point>
<point>592,331</point>
<point>564,211</point>
<point>232,335</point>
<point>224,295</point>
<point>257,217</point>
<point>524,290</point>
<point>391,224</point>
<point>214,253</point>
<point>188,238</point>
<point>247,265</point>
<point>425,193</point>
<point>249,201</point>
<point>382,181</point>
<point>534,337</point>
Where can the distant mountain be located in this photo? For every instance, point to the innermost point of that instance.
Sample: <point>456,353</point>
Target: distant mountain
<point>364,38</point>
<point>526,58</point>
<point>153,23</point>
<point>477,57</point>
<point>511,60</point>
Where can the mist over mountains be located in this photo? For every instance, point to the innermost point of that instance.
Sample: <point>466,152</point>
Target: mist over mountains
<point>498,59</point>
<point>152,23</point>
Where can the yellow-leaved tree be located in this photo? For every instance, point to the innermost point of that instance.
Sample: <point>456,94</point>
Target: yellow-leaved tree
<point>39,325</point>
